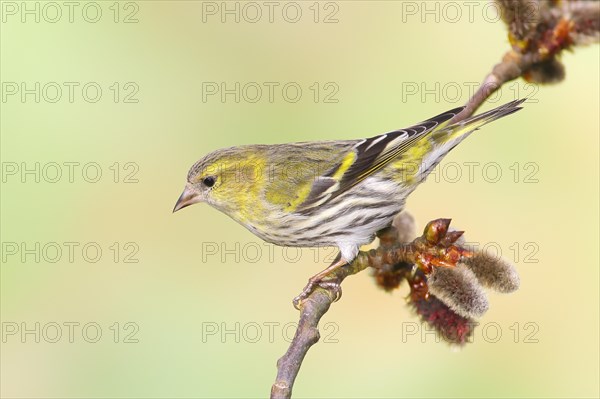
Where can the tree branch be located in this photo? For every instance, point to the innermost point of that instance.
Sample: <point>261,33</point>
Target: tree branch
<point>539,32</point>
<point>307,332</point>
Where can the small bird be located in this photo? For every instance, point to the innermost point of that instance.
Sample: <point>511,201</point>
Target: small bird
<point>327,193</point>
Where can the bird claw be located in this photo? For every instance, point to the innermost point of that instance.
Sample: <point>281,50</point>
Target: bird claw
<point>332,286</point>
<point>436,248</point>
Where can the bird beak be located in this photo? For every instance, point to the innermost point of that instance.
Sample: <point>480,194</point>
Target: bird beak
<point>188,197</point>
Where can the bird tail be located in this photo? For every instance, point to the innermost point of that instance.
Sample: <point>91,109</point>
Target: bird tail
<point>460,130</point>
<point>442,139</point>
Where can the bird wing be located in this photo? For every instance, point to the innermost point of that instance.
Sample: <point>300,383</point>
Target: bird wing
<point>366,158</point>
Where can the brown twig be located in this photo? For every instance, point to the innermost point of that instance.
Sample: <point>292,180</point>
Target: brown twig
<point>513,65</point>
<point>307,332</point>
<point>539,32</point>
<point>311,311</point>
<point>538,36</point>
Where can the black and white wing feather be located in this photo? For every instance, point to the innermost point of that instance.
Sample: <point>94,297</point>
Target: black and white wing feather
<point>367,157</point>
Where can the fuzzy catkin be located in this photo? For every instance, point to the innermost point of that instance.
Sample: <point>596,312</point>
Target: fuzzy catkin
<point>493,272</point>
<point>459,289</point>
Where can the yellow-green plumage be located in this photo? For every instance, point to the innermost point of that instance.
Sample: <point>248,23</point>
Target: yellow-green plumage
<point>329,193</point>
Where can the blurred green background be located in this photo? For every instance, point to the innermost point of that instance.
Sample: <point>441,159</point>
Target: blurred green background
<point>193,305</point>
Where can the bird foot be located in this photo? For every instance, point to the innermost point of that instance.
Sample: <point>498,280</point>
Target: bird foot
<point>326,280</point>
<point>313,283</point>
<point>437,248</point>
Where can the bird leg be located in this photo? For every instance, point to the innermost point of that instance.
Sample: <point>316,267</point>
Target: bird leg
<point>317,280</point>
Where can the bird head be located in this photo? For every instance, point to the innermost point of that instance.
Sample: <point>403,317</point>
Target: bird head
<point>225,179</point>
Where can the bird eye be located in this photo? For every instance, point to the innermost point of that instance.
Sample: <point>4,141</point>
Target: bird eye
<point>209,181</point>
